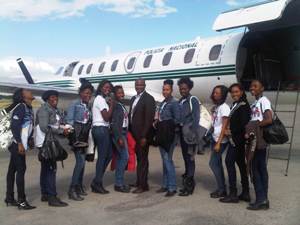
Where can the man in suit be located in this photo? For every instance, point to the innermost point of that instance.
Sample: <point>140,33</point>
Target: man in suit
<point>141,116</point>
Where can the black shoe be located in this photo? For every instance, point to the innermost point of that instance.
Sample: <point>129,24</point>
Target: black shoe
<point>170,193</point>
<point>184,193</point>
<point>122,189</point>
<point>11,202</point>
<point>81,190</point>
<point>259,206</point>
<point>183,176</point>
<point>98,188</point>
<point>188,187</point>
<point>56,202</point>
<point>133,185</point>
<point>218,194</point>
<point>201,152</point>
<point>161,190</point>
<point>74,195</point>
<point>25,205</point>
<point>245,196</point>
<point>229,199</point>
<point>140,190</point>
<point>44,198</point>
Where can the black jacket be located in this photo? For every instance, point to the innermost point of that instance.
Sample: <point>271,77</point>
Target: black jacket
<point>238,121</point>
<point>142,116</point>
<point>117,121</point>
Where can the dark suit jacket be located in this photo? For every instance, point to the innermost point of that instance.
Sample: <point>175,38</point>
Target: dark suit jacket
<point>142,116</point>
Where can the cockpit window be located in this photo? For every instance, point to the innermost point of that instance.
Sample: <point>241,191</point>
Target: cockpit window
<point>69,69</point>
<point>60,69</point>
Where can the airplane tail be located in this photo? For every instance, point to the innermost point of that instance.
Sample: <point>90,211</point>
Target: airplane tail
<point>25,71</point>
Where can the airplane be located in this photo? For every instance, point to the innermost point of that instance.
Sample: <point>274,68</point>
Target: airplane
<point>267,49</point>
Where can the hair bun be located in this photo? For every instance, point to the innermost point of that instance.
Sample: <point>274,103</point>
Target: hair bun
<point>169,82</point>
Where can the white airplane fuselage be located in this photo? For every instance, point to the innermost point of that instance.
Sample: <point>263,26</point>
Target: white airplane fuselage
<point>259,53</point>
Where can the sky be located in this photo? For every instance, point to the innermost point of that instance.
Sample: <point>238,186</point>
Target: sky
<point>49,33</point>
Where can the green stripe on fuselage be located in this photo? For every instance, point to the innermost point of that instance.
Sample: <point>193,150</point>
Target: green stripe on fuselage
<point>170,74</point>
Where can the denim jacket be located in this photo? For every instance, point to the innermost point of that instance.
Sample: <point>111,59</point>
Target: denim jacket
<point>186,114</point>
<point>78,112</point>
<point>169,109</point>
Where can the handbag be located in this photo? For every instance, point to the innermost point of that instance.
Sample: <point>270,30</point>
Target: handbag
<point>275,133</point>
<point>52,150</point>
<point>6,136</point>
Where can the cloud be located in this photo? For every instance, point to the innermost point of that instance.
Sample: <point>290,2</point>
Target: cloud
<point>232,2</point>
<point>10,71</point>
<point>37,9</point>
<point>240,2</point>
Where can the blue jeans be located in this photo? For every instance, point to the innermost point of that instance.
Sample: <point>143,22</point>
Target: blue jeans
<point>216,165</point>
<point>77,178</point>
<point>260,175</point>
<point>121,162</point>
<point>169,174</point>
<point>48,178</point>
<point>102,140</point>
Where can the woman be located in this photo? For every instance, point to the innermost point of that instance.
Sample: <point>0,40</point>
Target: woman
<point>169,115</point>
<point>21,127</point>
<point>102,112</point>
<point>119,127</point>
<point>238,119</point>
<point>220,118</point>
<point>49,117</point>
<point>188,117</point>
<point>261,111</point>
<point>80,118</point>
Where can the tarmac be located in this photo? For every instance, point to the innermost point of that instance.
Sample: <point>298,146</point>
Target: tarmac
<point>151,208</point>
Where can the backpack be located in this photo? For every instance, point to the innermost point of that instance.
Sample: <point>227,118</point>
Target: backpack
<point>6,136</point>
<point>205,117</point>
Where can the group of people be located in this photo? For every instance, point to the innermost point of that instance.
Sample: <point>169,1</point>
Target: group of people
<point>109,122</point>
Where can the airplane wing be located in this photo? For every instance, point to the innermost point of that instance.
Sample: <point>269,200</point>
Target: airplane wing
<point>37,90</point>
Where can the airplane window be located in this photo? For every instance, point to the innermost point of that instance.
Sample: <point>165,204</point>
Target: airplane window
<point>147,61</point>
<point>69,69</point>
<point>59,70</point>
<point>167,58</point>
<point>89,68</point>
<point>114,65</point>
<point>215,52</point>
<point>101,67</point>
<point>189,55</point>
<point>131,63</point>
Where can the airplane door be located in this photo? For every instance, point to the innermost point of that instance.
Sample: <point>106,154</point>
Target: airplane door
<point>259,14</point>
<point>130,61</point>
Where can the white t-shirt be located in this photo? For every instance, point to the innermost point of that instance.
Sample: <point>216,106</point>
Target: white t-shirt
<point>259,107</point>
<point>217,118</point>
<point>98,106</point>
